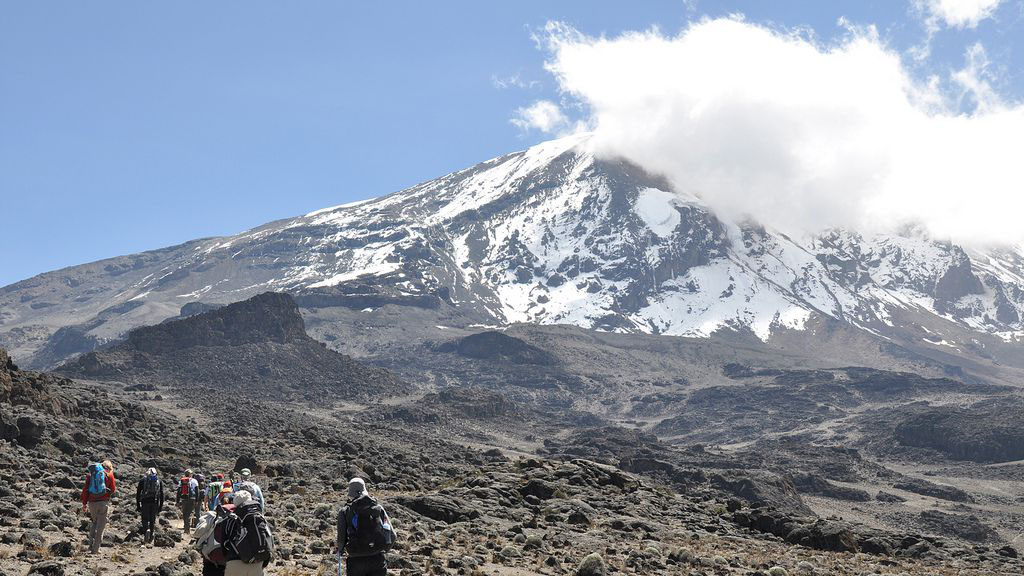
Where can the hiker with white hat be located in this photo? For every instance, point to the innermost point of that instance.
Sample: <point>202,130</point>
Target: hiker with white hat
<point>364,533</point>
<point>248,541</point>
<point>149,499</point>
<point>250,486</point>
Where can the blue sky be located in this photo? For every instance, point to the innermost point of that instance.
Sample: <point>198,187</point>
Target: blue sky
<point>127,126</point>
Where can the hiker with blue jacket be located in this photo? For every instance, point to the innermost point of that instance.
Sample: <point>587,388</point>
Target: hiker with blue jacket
<point>247,484</point>
<point>364,533</point>
<point>100,486</point>
<point>149,500</point>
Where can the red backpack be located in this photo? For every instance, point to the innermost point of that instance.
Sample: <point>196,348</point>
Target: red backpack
<point>185,489</point>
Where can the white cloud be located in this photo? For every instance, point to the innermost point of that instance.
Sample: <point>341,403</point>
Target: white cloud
<point>973,80</point>
<point>768,125</point>
<point>957,13</point>
<point>513,81</point>
<point>542,115</point>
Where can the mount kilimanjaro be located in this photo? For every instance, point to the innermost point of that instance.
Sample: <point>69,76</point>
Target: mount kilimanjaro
<point>551,235</point>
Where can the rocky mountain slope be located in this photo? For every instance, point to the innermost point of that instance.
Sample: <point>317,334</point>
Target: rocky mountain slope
<point>257,346</point>
<point>551,235</point>
<point>601,496</point>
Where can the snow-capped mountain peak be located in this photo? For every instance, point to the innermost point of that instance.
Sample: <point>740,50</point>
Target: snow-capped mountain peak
<point>552,234</point>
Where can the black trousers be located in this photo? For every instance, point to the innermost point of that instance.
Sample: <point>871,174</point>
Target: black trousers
<point>211,569</point>
<point>149,512</point>
<point>366,566</point>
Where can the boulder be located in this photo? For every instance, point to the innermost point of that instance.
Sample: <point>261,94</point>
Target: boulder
<point>437,507</point>
<point>247,461</point>
<point>48,568</point>
<point>31,431</point>
<point>592,565</point>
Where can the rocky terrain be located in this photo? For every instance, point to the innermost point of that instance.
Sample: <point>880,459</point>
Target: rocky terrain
<point>554,470</point>
<point>606,498</point>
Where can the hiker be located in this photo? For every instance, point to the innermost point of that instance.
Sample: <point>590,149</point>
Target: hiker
<point>99,487</point>
<point>149,500</point>
<point>187,498</point>
<point>364,533</point>
<point>223,498</point>
<point>247,484</point>
<point>210,537</point>
<point>248,542</point>
<point>213,491</point>
<point>200,501</point>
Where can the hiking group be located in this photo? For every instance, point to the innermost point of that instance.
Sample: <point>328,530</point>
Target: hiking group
<point>230,529</point>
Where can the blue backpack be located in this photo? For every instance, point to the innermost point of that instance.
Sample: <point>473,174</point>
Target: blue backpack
<point>97,479</point>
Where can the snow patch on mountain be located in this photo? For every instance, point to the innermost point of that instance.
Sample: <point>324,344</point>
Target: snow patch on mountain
<point>657,209</point>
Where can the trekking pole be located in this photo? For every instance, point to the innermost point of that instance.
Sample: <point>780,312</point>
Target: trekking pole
<point>340,573</point>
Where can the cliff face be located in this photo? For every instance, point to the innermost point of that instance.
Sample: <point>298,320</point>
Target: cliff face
<point>259,345</point>
<point>267,317</point>
<point>991,431</point>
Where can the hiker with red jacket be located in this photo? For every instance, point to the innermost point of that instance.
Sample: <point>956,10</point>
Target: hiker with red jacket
<point>364,533</point>
<point>99,487</point>
<point>187,498</point>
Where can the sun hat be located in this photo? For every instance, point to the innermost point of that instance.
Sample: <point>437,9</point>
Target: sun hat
<point>356,488</point>
<point>242,498</point>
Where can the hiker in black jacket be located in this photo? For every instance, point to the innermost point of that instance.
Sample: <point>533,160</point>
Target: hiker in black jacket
<point>248,543</point>
<point>364,533</point>
<point>149,500</point>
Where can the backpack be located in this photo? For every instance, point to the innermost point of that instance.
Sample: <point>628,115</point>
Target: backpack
<point>97,479</point>
<point>185,490</point>
<point>212,490</point>
<point>203,528</point>
<point>210,537</point>
<point>252,541</point>
<point>249,487</point>
<point>150,488</point>
<point>368,532</point>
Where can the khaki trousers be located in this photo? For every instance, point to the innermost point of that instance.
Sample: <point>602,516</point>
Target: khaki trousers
<point>98,512</point>
<point>239,568</point>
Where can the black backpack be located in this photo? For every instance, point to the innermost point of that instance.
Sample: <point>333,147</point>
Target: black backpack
<point>251,539</point>
<point>150,488</point>
<point>368,531</point>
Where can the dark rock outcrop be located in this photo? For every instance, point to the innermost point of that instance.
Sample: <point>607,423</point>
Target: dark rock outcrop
<point>814,484</point>
<point>968,527</point>
<point>926,488</point>
<point>957,281</point>
<point>495,345</point>
<point>761,488</point>
<point>256,344</point>
<point>991,431</point>
<point>267,317</point>
<point>439,507</point>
